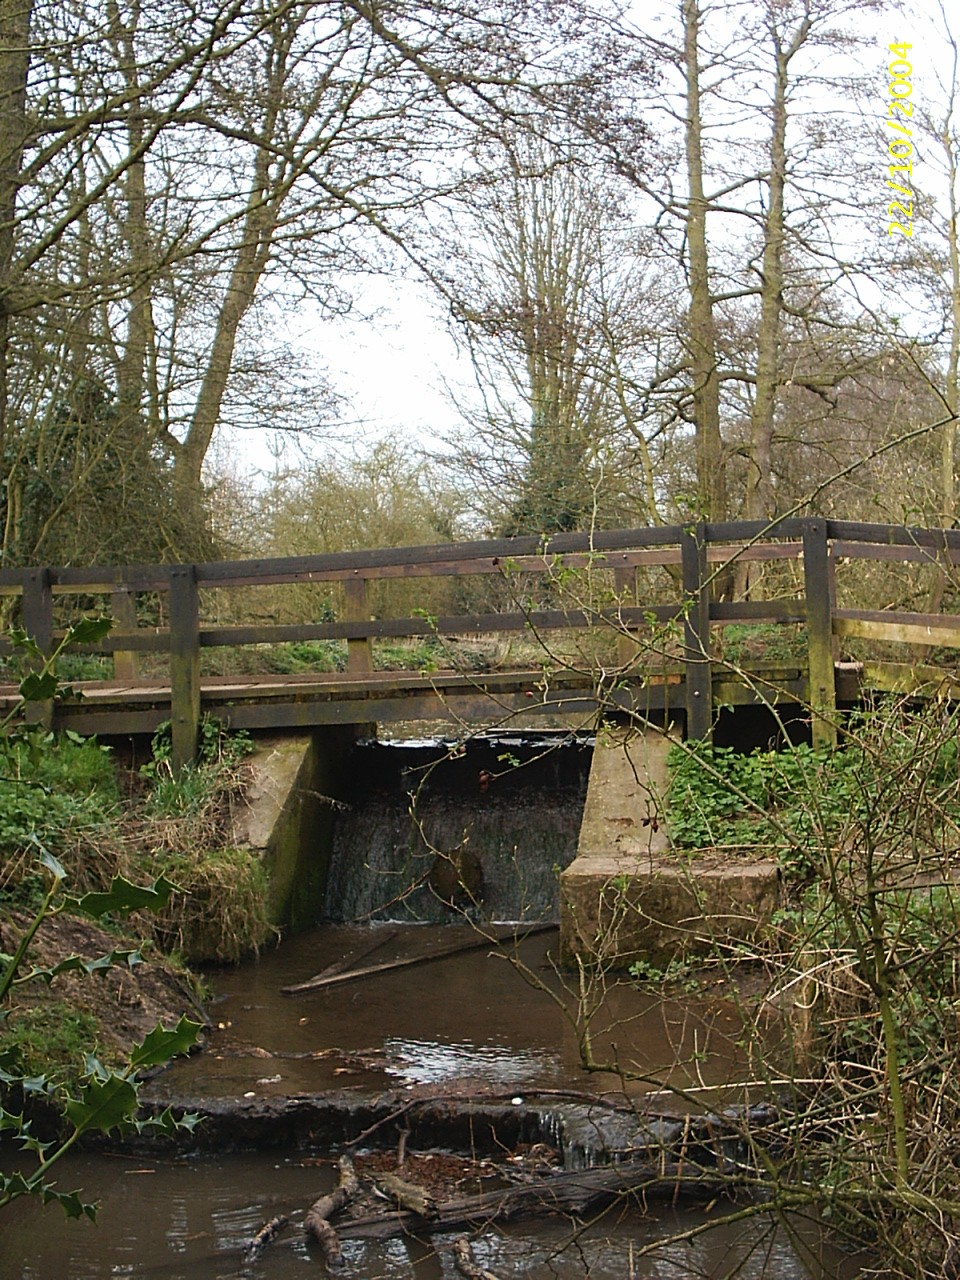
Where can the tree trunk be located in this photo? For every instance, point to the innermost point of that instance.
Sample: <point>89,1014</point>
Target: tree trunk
<point>711,460</point>
<point>257,229</point>
<point>759,500</point>
<point>15,18</point>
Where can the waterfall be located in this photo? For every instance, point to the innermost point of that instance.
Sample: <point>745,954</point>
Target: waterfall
<point>431,831</point>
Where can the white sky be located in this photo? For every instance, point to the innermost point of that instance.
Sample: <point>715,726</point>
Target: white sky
<point>389,362</point>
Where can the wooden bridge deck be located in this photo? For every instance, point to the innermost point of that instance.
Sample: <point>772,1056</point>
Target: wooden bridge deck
<point>571,700</point>
<point>651,595</point>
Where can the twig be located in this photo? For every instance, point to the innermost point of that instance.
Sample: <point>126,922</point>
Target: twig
<point>465,1262</point>
<point>266,1235</point>
<point>317,1221</point>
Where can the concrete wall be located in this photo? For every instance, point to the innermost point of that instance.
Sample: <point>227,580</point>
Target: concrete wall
<point>627,895</point>
<point>288,817</point>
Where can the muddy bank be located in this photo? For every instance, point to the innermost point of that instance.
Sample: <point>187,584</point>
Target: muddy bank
<point>126,1001</point>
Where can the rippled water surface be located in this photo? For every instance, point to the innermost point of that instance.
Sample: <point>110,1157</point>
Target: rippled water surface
<point>189,1220</point>
<point>470,1017</point>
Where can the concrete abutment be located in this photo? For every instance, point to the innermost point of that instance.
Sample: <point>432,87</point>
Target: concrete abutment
<point>627,896</point>
<point>288,816</point>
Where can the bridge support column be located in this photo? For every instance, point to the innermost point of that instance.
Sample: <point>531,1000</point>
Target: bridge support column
<point>123,606</point>
<point>696,631</point>
<point>38,624</point>
<point>356,609</point>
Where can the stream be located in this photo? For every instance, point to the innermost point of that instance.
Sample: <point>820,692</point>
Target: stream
<point>466,1021</point>
<point>483,1026</point>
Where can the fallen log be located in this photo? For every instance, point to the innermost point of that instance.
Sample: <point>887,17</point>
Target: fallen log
<point>317,1221</point>
<point>409,1195</point>
<point>465,1262</point>
<point>495,939</point>
<point>572,1193</point>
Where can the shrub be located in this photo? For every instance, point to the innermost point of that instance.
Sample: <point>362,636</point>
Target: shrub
<point>220,914</point>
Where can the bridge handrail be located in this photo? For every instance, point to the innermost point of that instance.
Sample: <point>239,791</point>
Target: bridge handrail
<point>695,551</point>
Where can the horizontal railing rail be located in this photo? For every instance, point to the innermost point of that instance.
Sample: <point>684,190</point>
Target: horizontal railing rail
<point>695,556</point>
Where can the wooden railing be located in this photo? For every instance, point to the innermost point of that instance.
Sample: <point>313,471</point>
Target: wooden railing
<point>698,557</point>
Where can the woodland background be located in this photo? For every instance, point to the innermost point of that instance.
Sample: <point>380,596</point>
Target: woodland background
<point>660,236</point>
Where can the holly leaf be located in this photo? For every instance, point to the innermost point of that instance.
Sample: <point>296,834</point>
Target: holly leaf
<point>14,1185</point>
<point>124,897</point>
<point>88,631</point>
<point>164,1043</point>
<point>69,1202</point>
<point>22,640</point>
<point>168,1123</point>
<point>116,959</point>
<point>38,686</point>
<point>103,1104</point>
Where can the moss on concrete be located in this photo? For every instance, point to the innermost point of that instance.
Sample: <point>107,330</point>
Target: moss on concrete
<point>288,817</point>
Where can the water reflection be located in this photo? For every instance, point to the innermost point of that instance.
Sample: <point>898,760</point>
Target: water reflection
<point>189,1220</point>
<point>466,1017</point>
<point>425,1062</point>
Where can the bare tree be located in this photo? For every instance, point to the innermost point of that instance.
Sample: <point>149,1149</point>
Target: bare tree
<point>176,171</point>
<point>541,304</point>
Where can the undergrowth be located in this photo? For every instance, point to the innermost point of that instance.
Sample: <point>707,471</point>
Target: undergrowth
<point>796,803</point>
<point>65,793</point>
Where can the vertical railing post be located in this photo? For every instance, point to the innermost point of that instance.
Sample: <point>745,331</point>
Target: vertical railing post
<point>696,631</point>
<point>38,624</point>
<point>625,586</point>
<point>356,609</point>
<point>184,665</point>
<point>819,589</point>
<point>123,607</point>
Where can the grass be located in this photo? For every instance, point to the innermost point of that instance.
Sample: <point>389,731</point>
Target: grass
<point>50,1039</point>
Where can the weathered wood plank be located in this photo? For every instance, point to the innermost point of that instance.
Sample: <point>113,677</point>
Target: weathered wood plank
<point>184,665</point>
<point>893,534</point>
<point>942,632</point>
<point>455,625</point>
<point>356,609</point>
<point>817,573</point>
<point>921,679</point>
<point>723,612</point>
<point>123,606</point>
<point>696,632</point>
<point>935,621</point>
<point>881,551</point>
<point>38,624</point>
<point>758,551</point>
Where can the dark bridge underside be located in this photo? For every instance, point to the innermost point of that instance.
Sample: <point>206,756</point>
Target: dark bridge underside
<point>287,702</point>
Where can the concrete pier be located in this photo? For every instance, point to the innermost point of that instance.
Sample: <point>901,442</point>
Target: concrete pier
<point>628,895</point>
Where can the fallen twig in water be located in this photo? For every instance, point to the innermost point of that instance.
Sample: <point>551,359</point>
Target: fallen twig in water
<point>317,1221</point>
<point>465,1262</point>
<point>438,953</point>
<point>267,1233</point>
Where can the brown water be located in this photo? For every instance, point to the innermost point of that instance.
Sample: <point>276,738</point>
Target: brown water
<point>189,1221</point>
<point>467,1017</point>
<point>474,1015</point>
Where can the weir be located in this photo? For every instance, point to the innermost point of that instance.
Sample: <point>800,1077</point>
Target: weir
<point>535,827</point>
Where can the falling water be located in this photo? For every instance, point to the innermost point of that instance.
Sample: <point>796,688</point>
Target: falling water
<point>431,831</point>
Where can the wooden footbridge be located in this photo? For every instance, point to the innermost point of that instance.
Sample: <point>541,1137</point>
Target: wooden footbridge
<point>655,600</point>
